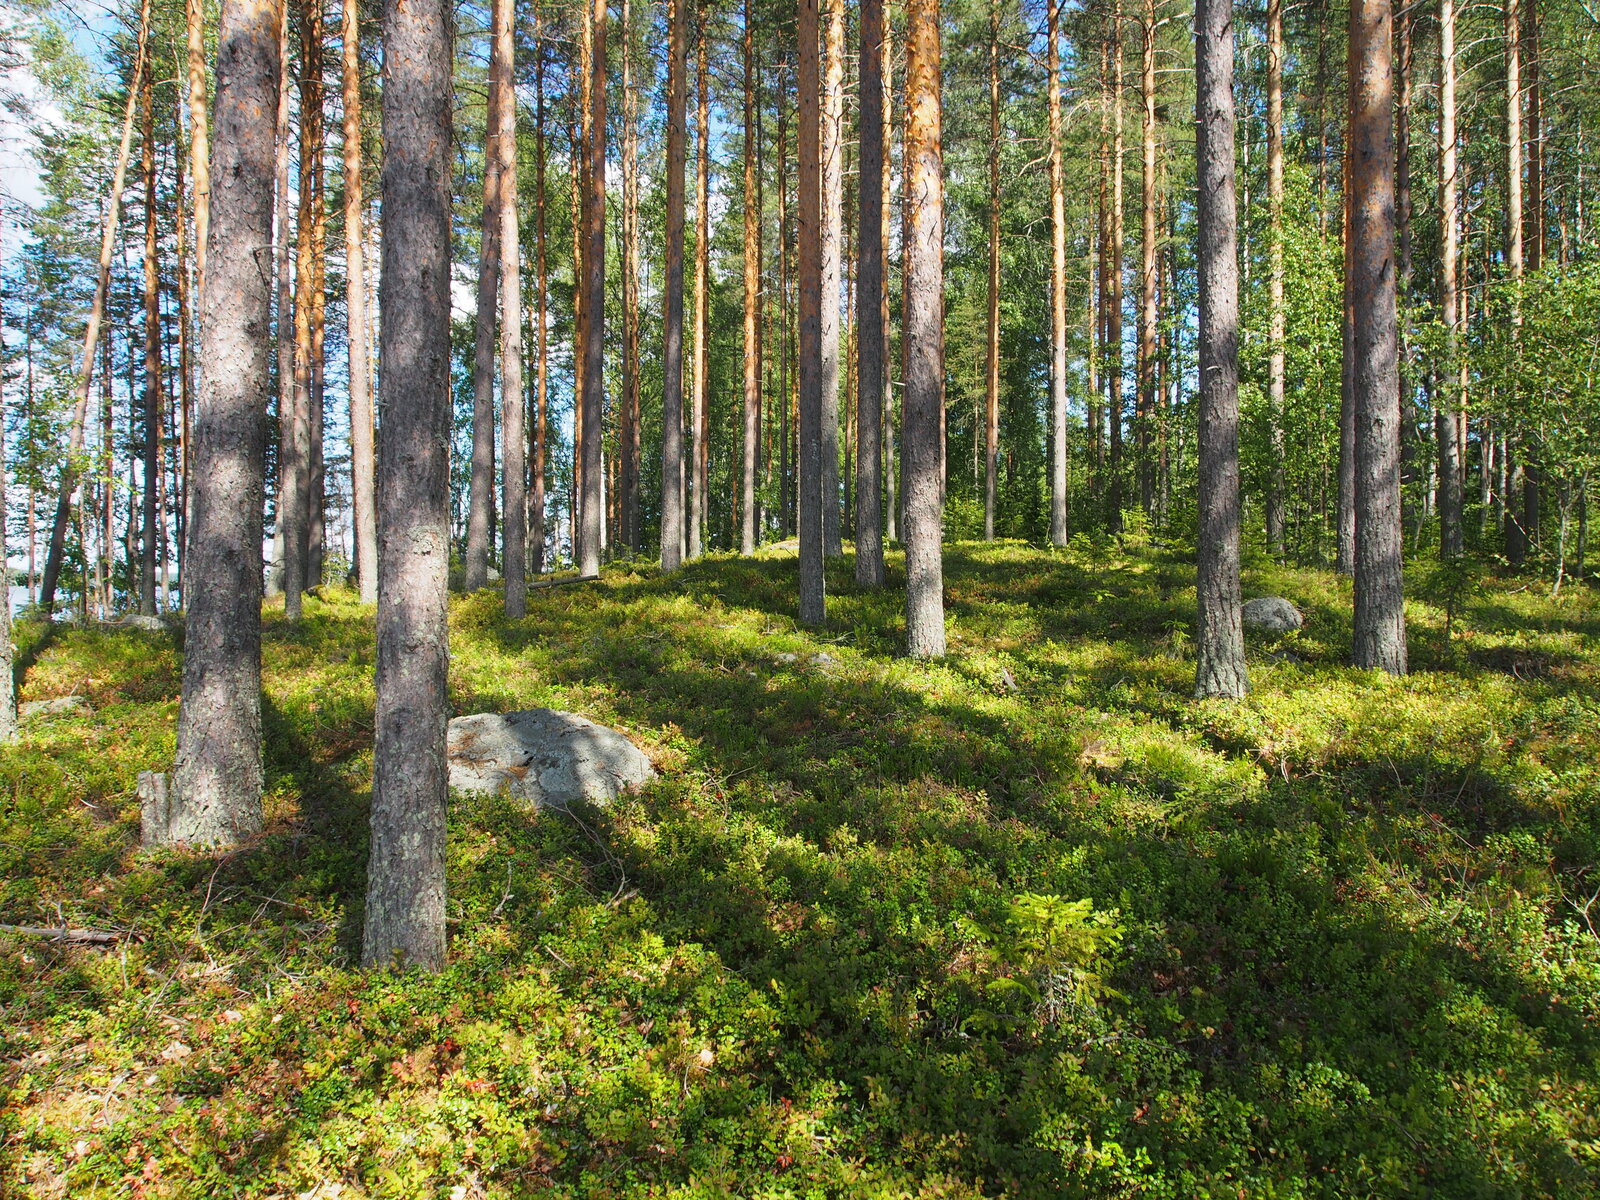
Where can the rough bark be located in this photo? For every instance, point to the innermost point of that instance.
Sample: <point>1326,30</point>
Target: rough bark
<point>1345,516</point>
<point>1532,241</point>
<point>1219,632</point>
<point>8,694</point>
<point>594,284</point>
<point>869,305</point>
<point>1276,487</point>
<point>672,514</point>
<point>924,334</point>
<point>405,910</point>
<point>752,297</point>
<point>1450,482</point>
<point>832,151</point>
<point>215,796</point>
<point>812,306</point>
<point>1058,283</point>
<point>315,463</point>
<point>283,284</point>
<point>991,391</point>
<point>364,516</point>
<point>513,405</point>
<point>1380,632</point>
<point>702,283</point>
<point>152,356</point>
<point>1517,535</point>
<point>890,505</point>
<point>1114,396</point>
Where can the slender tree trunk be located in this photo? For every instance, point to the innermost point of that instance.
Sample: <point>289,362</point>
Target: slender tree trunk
<point>283,327</point>
<point>541,292</point>
<point>1450,542</point>
<point>813,304</point>
<point>785,461</point>
<point>217,780</point>
<point>890,505</point>
<point>1518,535</point>
<point>924,265</point>
<point>405,911</point>
<point>832,151</point>
<point>199,134</point>
<point>513,404</point>
<point>1114,300</point>
<point>577,166</point>
<point>1533,246</point>
<point>1146,403</point>
<point>480,486</point>
<point>8,694</point>
<point>1276,484</point>
<point>752,297</point>
<point>1101,284</point>
<point>1058,282</point>
<point>362,482</point>
<point>152,352</point>
<point>702,282</point>
<point>294,446</point>
<point>1380,631</point>
<point>991,407</point>
<point>91,336</point>
<point>1219,632</point>
<point>869,305</point>
<point>628,500</point>
<point>594,284</point>
<point>1345,528</point>
<point>672,507</point>
<point>316,500</point>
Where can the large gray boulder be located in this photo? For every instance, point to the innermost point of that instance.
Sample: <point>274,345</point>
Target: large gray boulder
<point>543,757</point>
<point>1271,615</point>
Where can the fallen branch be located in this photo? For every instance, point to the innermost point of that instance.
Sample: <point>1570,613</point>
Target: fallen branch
<point>550,583</point>
<point>96,937</point>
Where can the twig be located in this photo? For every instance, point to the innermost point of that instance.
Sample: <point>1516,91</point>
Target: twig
<point>550,583</point>
<point>96,937</point>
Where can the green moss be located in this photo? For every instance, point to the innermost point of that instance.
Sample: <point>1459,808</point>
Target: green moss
<point>1352,954</point>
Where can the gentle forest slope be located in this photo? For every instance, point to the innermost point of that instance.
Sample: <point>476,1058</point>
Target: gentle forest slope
<point>1341,939</point>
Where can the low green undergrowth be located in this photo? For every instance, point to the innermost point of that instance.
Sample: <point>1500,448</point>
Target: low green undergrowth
<point>1026,922</point>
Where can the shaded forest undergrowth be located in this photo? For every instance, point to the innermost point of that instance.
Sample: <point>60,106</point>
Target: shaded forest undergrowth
<point>1028,922</point>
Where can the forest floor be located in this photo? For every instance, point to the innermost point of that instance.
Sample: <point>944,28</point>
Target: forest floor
<point>1028,922</point>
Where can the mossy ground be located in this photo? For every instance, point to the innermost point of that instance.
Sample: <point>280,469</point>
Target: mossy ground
<point>1357,953</point>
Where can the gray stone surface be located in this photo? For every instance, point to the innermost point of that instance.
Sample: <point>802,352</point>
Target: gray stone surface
<point>1271,615</point>
<point>543,757</point>
<point>140,621</point>
<point>60,706</point>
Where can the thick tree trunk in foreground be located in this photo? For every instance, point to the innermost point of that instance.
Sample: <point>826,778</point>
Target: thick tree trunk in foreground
<point>1219,632</point>
<point>832,153</point>
<point>869,305</point>
<point>364,516</point>
<point>594,284</point>
<point>924,265</point>
<point>215,797</point>
<point>672,514</point>
<point>513,406</point>
<point>752,298</point>
<point>405,915</point>
<point>1380,630</point>
<point>812,303</point>
<point>1058,284</point>
<point>152,358</point>
<point>1450,482</point>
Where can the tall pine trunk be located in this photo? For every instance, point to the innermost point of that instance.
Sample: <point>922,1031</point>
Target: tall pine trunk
<point>215,796</point>
<point>594,287</point>
<point>813,303</point>
<point>924,334</point>
<point>1114,362</point>
<point>832,151</point>
<point>698,422</point>
<point>1380,631</point>
<point>480,484</point>
<point>1219,633</point>
<point>199,133</point>
<point>672,514</point>
<point>1145,404</point>
<point>152,356</point>
<point>991,397</point>
<point>1276,366</point>
<point>869,305</point>
<point>1450,540</point>
<point>283,285</point>
<point>513,404</point>
<point>1518,535</point>
<point>628,501</point>
<point>1058,282</point>
<point>752,297</point>
<point>358,344</point>
<point>541,296</point>
<point>405,910</point>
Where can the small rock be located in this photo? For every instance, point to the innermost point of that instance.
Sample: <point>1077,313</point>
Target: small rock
<point>544,757</point>
<point>141,621</point>
<point>1271,615</point>
<point>823,659</point>
<point>1008,682</point>
<point>786,657</point>
<point>60,706</point>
